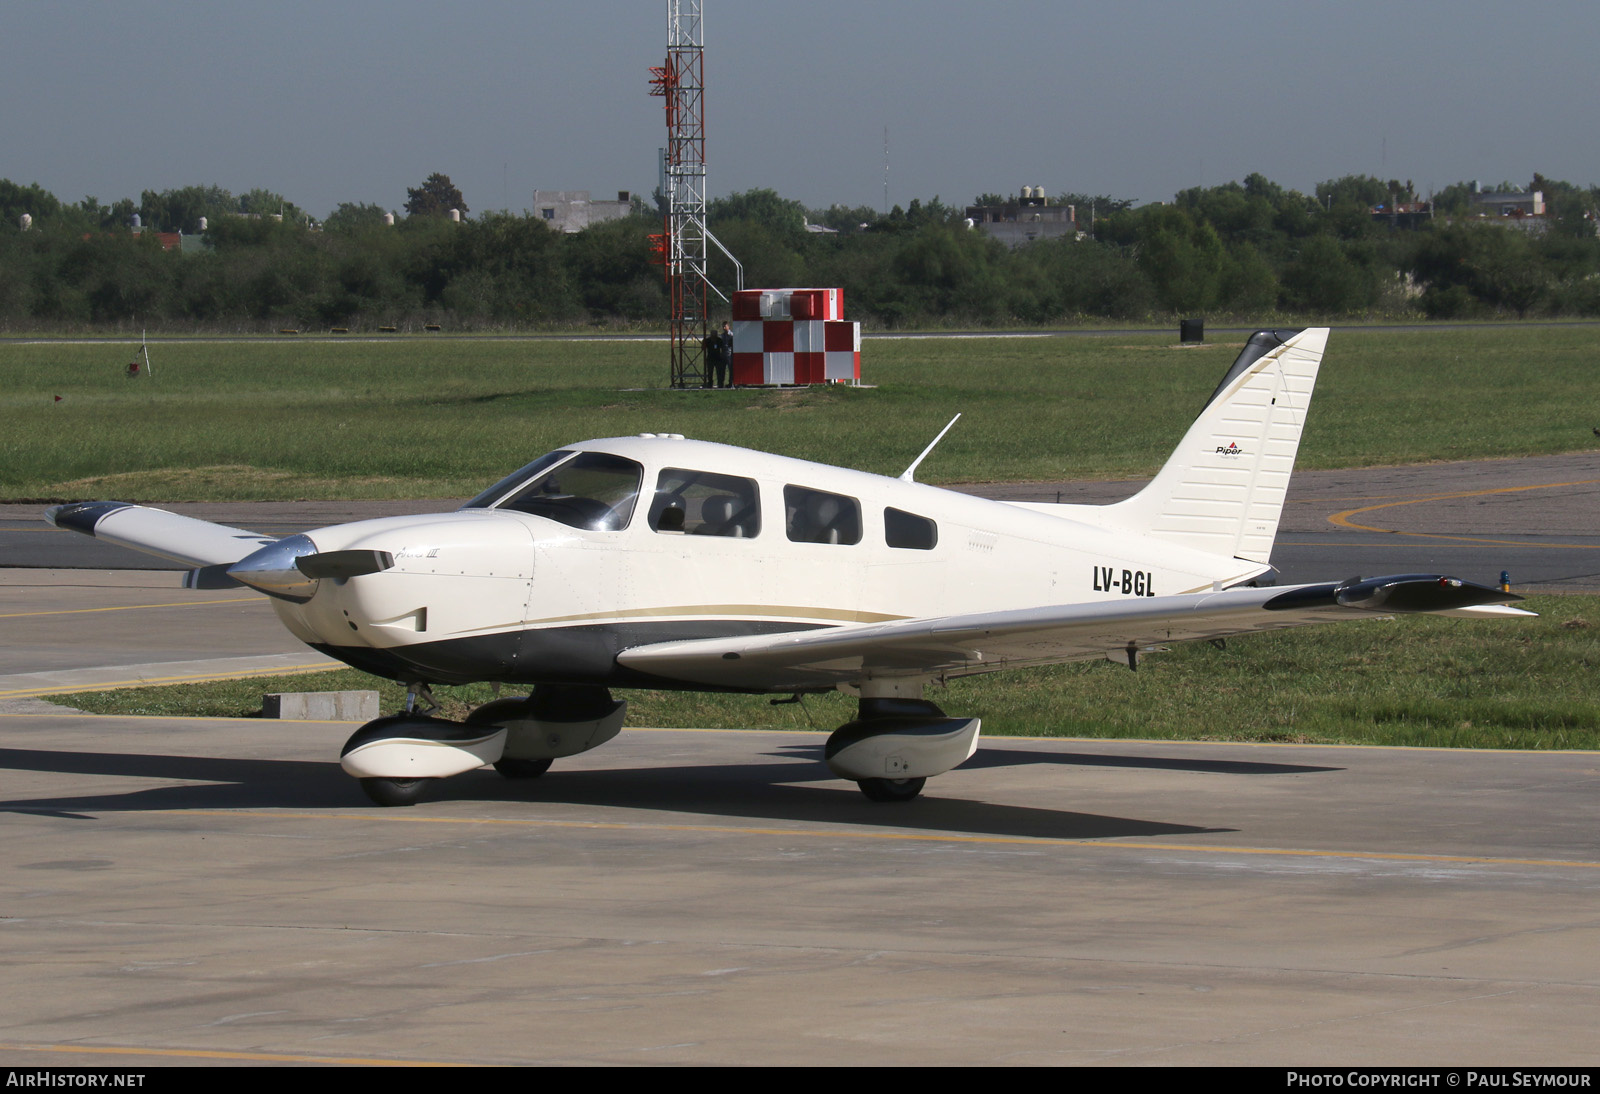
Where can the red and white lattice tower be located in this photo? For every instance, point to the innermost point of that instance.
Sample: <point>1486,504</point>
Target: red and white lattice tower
<point>681,82</point>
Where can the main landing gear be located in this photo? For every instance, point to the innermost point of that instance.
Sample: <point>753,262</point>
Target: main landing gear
<point>896,744</point>
<point>400,758</point>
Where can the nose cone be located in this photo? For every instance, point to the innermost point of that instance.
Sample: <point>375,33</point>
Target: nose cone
<point>272,569</point>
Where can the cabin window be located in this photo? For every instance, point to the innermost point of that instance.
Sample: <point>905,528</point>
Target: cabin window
<point>907,530</point>
<point>592,490</point>
<point>521,475</point>
<point>699,503</point>
<point>816,516</point>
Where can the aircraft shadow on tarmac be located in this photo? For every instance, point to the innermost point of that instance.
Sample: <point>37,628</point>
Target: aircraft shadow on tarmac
<point>747,792</point>
<point>1010,757</point>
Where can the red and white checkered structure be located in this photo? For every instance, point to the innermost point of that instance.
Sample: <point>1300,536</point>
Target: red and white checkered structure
<point>793,336</point>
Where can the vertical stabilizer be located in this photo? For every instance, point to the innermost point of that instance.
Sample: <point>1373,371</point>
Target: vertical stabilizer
<point>1222,491</point>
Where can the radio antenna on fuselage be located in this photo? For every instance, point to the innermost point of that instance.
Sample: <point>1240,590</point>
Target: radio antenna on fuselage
<point>906,475</point>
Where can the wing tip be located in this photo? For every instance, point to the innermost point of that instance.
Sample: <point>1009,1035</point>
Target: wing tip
<point>82,516</point>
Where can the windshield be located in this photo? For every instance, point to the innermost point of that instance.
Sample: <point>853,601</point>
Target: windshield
<point>516,478</point>
<point>593,490</point>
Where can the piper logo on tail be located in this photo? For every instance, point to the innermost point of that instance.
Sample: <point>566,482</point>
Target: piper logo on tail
<point>1232,449</point>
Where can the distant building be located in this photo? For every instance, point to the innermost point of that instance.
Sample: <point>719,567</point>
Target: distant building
<point>1403,214</point>
<point>574,210</point>
<point>170,241</point>
<point>1025,220</point>
<point>1508,203</point>
<point>1521,209</point>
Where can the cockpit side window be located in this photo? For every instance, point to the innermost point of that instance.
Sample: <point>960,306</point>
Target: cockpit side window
<point>700,503</point>
<point>593,490</point>
<point>909,531</point>
<point>515,479</point>
<point>816,516</point>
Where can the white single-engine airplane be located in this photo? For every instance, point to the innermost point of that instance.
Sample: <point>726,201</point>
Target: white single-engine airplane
<point>659,562</point>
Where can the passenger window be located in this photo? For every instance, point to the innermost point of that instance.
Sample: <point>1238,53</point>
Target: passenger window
<point>903,529</point>
<point>593,490</point>
<point>815,516</point>
<point>699,503</point>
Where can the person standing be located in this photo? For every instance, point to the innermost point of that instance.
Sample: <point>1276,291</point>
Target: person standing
<point>711,352</point>
<point>725,376</point>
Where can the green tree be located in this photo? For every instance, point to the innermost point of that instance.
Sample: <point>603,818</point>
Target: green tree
<point>613,270</point>
<point>1183,258</point>
<point>1495,265</point>
<point>181,210</point>
<point>435,197</point>
<point>266,203</point>
<point>770,257</point>
<point>1247,283</point>
<point>1453,200</point>
<point>1324,278</point>
<point>780,216</point>
<point>1058,280</point>
<point>1094,206</point>
<point>351,217</point>
<point>34,200</point>
<point>845,219</point>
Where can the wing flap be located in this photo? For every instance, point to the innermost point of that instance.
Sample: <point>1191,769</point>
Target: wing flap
<point>986,641</point>
<point>158,532</point>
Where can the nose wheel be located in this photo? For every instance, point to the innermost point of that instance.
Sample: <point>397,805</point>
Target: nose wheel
<point>512,768</point>
<point>891,790</point>
<point>394,791</point>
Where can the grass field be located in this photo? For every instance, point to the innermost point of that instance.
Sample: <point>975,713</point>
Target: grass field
<point>280,419</point>
<point>1524,683</point>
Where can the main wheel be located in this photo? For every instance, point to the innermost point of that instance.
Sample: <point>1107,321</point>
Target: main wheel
<point>891,790</point>
<point>513,768</point>
<point>394,791</point>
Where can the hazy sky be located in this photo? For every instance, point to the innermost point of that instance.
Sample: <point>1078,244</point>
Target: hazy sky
<point>356,100</point>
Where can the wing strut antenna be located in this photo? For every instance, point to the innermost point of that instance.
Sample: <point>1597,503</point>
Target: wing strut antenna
<point>906,475</point>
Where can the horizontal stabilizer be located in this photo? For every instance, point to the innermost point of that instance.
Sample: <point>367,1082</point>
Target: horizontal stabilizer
<point>157,532</point>
<point>1400,593</point>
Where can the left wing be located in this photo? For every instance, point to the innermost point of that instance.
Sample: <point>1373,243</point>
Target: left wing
<point>158,532</point>
<point>961,645</point>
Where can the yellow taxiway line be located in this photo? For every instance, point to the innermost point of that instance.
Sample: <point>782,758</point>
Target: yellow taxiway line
<point>914,837</point>
<point>133,607</point>
<point>218,1054</point>
<point>1342,519</point>
<point>162,681</point>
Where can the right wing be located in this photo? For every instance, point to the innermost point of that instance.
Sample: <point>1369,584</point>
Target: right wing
<point>962,645</point>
